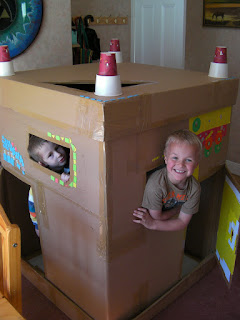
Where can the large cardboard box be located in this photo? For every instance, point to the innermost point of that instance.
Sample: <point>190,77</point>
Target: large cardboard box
<point>92,251</point>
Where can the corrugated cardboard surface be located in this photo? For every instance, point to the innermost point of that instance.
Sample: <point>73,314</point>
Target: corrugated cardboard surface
<point>165,95</point>
<point>92,251</point>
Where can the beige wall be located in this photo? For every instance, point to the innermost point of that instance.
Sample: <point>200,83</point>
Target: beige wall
<point>200,47</point>
<point>53,44</point>
<point>107,32</point>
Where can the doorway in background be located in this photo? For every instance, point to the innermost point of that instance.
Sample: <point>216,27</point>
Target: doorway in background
<point>158,29</point>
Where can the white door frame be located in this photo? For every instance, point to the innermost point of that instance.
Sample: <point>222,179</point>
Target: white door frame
<point>133,53</point>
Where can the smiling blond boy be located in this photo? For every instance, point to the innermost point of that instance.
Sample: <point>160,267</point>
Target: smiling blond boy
<point>172,194</point>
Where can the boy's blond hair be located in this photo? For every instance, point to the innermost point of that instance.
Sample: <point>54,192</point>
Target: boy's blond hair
<point>184,135</point>
<point>35,144</point>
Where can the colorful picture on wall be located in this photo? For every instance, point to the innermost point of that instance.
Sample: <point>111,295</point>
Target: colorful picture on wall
<point>221,13</point>
<point>211,128</point>
<point>20,21</point>
<point>228,229</point>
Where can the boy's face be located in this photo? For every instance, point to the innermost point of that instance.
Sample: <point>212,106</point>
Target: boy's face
<point>181,159</point>
<point>53,155</point>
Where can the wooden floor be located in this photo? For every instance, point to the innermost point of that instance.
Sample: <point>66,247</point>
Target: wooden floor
<point>7,311</point>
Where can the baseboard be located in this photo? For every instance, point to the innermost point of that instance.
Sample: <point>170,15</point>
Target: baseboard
<point>234,167</point>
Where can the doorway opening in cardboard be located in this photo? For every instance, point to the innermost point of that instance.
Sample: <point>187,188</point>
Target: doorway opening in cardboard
<point>14,199</point>
<point>189,261</point>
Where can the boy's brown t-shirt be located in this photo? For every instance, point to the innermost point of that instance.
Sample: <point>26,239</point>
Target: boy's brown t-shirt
<point>161,194</point>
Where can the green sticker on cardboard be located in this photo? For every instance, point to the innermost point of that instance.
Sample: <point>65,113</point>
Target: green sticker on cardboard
<point>196,124</point>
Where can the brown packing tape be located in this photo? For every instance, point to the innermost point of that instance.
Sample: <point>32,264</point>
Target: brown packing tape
<point>127,116</point>
<point>102,244</point>
<point>40,205</point>
<point>89,121</point>
<point>85,115</point>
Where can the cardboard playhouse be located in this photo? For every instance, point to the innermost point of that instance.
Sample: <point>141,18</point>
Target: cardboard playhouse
<point>94,256</point>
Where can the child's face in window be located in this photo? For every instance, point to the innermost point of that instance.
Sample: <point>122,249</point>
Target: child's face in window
<point>181,159</point>
<point>53,155</point>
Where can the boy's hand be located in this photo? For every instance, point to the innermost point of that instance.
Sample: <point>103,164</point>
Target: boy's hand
<point>147,221</point>
<point>65,177</point>
<point>144,218</point>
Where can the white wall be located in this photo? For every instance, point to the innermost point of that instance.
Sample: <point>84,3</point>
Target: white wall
<point>53,44</point>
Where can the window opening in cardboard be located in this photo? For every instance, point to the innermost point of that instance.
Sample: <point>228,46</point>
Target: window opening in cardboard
<point>65,169</point>
<point>90,87</point>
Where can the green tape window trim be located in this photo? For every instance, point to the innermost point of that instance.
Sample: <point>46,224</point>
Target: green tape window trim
<point>74,168</point>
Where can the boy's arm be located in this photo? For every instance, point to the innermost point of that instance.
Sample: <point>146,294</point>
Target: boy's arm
<point>148,222</point>
<point>164,215</point>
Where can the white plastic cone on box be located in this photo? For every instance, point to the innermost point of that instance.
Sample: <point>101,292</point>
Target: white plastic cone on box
<point>218,70</point>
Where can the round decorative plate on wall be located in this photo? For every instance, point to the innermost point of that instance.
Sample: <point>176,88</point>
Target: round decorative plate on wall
<point>20,21</point>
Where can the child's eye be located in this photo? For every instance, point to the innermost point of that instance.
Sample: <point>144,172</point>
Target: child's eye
<point>50,154</point>
<point>188,160</point>
<point>174,158</point>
